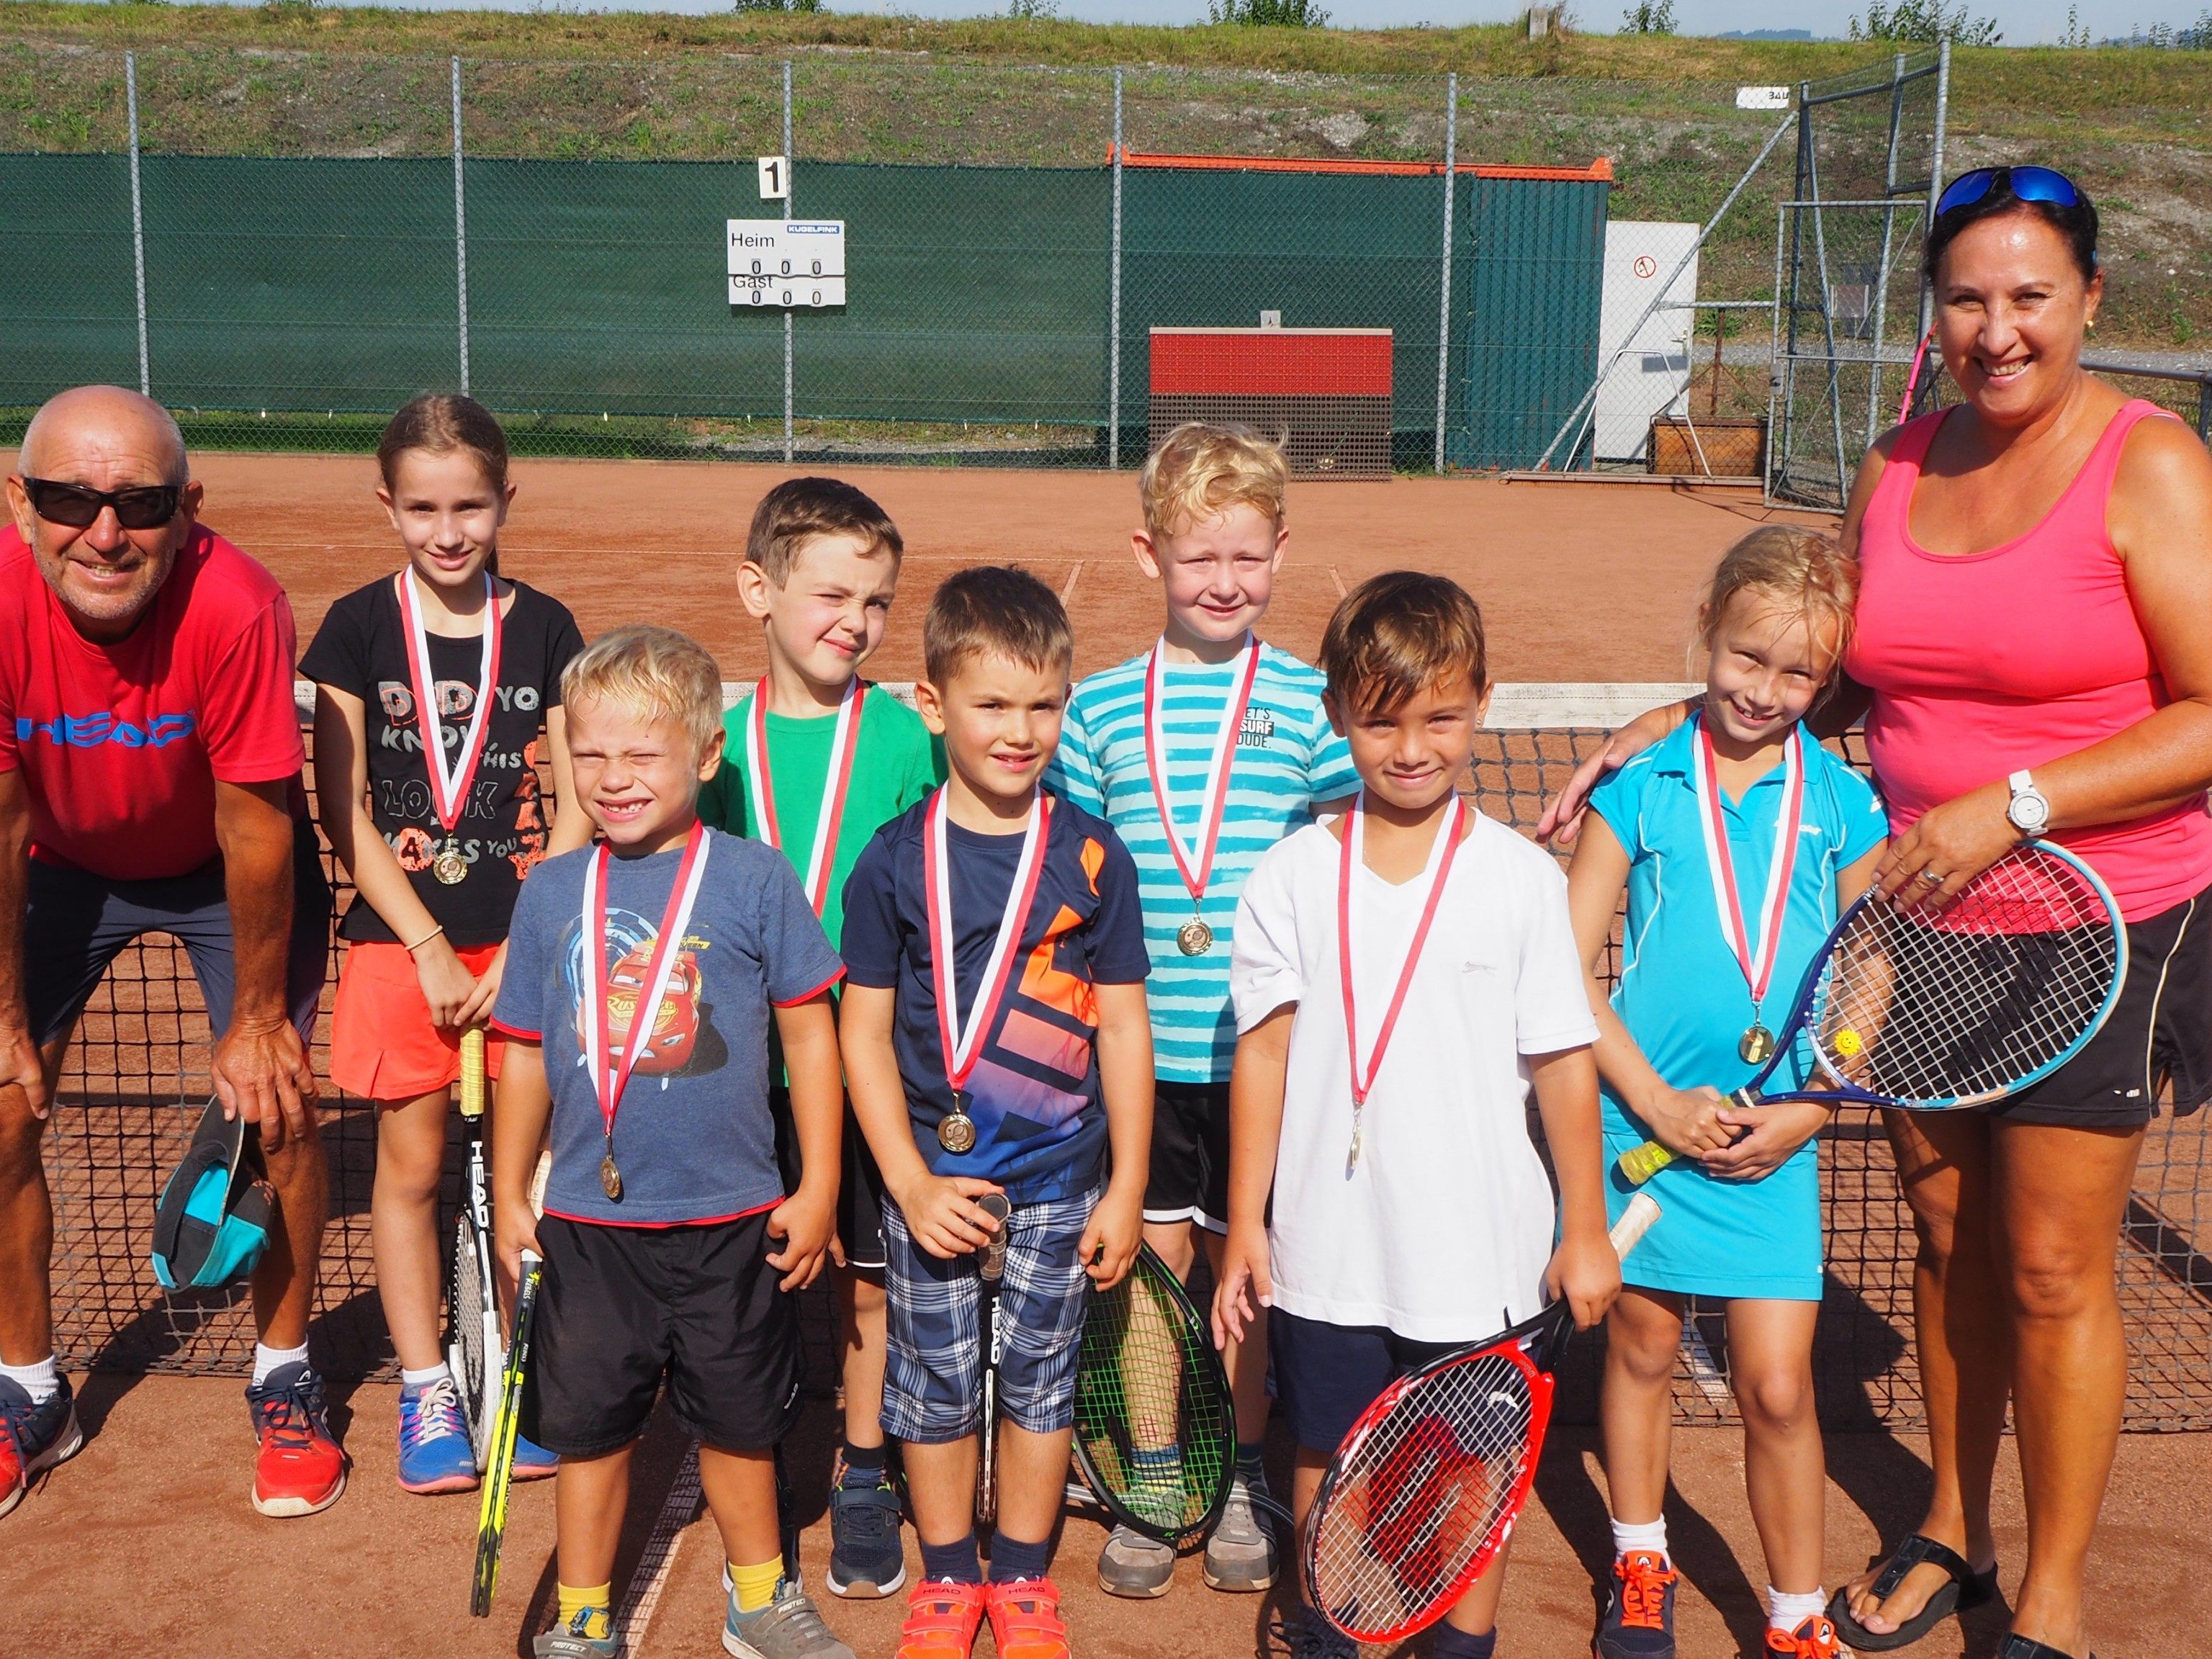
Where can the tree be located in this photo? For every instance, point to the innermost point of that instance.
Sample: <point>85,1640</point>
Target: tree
<point>1271,14</point>
<point>1925,22</point>
<point>1648,17</point>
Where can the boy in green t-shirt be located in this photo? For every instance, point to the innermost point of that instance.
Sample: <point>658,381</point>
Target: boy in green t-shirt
<point>815,761</point>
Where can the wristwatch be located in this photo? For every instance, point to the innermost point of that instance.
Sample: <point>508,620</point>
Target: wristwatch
<point>2029,809</point>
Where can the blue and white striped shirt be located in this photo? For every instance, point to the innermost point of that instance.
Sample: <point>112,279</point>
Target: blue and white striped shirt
<point>1286,759</point>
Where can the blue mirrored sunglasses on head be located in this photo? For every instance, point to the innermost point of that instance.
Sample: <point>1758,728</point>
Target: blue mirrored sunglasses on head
<point>2027,184</point>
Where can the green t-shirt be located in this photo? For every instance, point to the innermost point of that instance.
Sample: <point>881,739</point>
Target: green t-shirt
<point>896,763</point>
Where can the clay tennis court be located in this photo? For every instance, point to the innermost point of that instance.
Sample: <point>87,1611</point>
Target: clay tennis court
<point>146,1540</point>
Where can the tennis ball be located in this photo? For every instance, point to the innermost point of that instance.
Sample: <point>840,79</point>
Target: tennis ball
<point>1847,1042</point>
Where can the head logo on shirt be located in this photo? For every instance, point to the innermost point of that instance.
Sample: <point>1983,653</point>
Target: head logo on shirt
<point>91,730</point>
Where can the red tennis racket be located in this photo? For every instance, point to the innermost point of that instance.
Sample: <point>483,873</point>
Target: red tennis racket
<point>1424,1491</point>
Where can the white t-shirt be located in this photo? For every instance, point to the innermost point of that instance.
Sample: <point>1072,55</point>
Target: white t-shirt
<point>1443,1229</point>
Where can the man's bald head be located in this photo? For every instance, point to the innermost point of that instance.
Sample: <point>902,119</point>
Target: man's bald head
<point>105,421</point>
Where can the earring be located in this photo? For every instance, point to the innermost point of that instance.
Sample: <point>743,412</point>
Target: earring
<point>2091,325</point>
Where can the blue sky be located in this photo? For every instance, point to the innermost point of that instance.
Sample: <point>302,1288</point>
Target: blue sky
<point>2026,22</point>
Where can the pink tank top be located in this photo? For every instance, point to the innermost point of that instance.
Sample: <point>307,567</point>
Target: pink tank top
<point>1986,663</point>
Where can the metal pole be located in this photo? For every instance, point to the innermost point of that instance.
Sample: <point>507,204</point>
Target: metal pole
<point>460,229</point>
<point>1936,171</point>
<point>1589,397</point>
<point>138,217</point>
<point>1444,291</point>
<point>1114,301</point>
<point>790,184</point>
<point>1874,420</point>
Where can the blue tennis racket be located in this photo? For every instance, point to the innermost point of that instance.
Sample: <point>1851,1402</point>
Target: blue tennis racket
<point>1937,1009</point>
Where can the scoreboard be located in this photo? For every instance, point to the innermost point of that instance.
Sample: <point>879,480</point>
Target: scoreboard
<point>786,264</point>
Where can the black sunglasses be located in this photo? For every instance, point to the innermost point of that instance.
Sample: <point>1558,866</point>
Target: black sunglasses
<point>2027,184</point>
<point>143,506</point>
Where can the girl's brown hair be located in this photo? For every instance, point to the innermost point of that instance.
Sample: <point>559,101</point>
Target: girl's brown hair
<point>1806,572</point>
<point>442,422</point>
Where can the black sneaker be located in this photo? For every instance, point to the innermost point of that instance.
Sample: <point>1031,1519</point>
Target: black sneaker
<point>1639,1616</point>
<point>866,1562</point>
<point>33,1438</point>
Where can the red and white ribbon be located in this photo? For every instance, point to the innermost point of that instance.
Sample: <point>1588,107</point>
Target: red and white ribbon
<point>1352,857</point>
<point>610,1069</point>
<point>844,745</point>
<point>1195,862</point>
<point>1756,958</point>
<point>449,785</point>
<point>963,1041</point>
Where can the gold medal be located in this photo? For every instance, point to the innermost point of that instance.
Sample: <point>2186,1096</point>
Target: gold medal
<point>1756,1044</point>
<point>956,1131</point>
<point>610,1179</point>
<point>449,867</point>
<point>1195,937</point>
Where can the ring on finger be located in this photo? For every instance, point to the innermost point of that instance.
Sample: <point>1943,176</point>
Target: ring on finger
<point>1933,876</point>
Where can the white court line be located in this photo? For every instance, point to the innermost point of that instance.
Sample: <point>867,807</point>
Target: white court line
<point>1068,591</point>
<point>635,1621</point>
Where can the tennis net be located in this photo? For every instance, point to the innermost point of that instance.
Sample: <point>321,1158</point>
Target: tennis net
<point>137,1075</point>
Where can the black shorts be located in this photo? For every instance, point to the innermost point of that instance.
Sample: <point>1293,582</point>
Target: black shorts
<point>77,923</point>
<point>1189,1175</point>
<point>620,1310</point>
<point>2160,1033</point>
<point>1326,1374</point>
<point>860,1189</point>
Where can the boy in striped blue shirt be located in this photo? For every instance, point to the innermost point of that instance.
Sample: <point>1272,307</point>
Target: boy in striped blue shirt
<point>1203,753</point>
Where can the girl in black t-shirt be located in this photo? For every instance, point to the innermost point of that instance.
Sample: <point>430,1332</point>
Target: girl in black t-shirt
<point>437,818</point>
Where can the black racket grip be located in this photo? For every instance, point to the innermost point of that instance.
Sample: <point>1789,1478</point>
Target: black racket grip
<point>994,1205</point>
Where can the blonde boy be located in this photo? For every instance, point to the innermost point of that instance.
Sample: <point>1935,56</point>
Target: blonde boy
<point>644,977</point>
<point>815,761</point>
<point>1202,753</point>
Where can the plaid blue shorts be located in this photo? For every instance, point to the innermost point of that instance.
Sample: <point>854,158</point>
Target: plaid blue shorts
<point>934,1369</point>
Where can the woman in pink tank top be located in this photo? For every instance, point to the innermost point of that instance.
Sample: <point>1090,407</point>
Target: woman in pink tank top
<point>2031,657</point>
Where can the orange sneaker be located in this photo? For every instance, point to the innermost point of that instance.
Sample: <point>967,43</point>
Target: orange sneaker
<point>1025,1619</point>
<point>301,1468</point>
<point>1815,1638</point>
<point>942,1619</point>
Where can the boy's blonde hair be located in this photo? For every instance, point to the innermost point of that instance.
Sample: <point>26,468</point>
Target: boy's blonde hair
<point>1805,570</point>
<point>1395,636</point>
<point>1201,471</point>
<point>999,610</point>
<point>656,673</point>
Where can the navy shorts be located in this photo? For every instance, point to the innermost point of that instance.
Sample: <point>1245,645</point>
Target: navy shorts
<point>859,1190</point>
<point>1188,1176</point>
<point>77,923</point>
<point>622,1310</point>
<point>1325,1375</point>
<point>933,1368</point>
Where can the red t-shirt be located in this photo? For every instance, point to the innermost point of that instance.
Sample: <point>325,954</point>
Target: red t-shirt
<point>121,744</point>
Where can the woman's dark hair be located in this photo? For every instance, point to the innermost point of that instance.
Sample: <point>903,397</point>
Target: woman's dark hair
<point>2076,223</point>
<point>442,422</point>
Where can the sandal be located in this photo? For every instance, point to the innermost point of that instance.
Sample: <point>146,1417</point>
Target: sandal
<point>2027,1647</point>
<point>1966,1589</point>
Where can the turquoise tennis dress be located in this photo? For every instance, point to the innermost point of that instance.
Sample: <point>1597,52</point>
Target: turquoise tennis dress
<point>1684,998</point>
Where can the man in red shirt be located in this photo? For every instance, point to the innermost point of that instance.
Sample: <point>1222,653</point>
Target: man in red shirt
<point>149,782</point>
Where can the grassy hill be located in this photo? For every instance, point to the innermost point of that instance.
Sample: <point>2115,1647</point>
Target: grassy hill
<point>2135,125</point>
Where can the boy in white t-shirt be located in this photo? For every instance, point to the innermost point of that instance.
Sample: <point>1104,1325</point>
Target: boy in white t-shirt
<point>1411,1211</point>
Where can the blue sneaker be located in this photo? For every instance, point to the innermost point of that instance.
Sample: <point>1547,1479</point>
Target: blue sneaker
<point>434,1451</point>
<point>34,1438</point>
<point>532,1462</point>
<point>866,1559</point>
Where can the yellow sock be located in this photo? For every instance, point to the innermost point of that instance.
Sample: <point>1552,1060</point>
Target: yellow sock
<point>756,1586</point>
<point>595,1605</point>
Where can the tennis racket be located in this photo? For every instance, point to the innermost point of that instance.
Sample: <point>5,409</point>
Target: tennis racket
<point>499,1467</point>
<point>1933,1010</point>
<point>1155,1424</point>
<point>473,1348</point>
<point>993,1268</point>
<point>1424,1491</point>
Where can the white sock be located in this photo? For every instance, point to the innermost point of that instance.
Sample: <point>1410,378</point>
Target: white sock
<point>423,1379</point>
<point>42,1381</point>
<point>1639,1535</point>
<point>267,1359</point>
<point>1785,1610</point>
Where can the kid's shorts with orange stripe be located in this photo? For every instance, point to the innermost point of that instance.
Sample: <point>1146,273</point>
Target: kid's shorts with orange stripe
<point>383,1046</point>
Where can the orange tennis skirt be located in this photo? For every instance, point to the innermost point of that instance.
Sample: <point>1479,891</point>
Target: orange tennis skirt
<point>383,1046</point>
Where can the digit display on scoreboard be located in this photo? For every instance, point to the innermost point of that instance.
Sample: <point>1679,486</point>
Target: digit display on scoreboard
<point>787,263</point>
